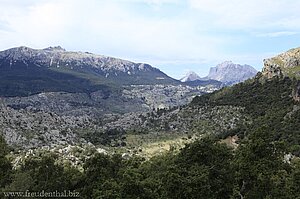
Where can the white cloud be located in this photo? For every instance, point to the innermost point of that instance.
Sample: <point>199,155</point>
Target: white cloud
<point>34,24</point>
<point>252,14</point>
<point>160,32</point>
<point>108,27</point>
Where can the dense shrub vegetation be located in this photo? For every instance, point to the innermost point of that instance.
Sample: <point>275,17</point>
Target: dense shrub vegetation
<point>270,105</point>
<point>203,169</point>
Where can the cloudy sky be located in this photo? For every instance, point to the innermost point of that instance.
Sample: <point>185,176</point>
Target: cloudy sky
<point>176,36</point>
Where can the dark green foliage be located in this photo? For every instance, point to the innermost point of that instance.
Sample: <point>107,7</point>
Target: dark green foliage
<point>5,165</point>
<point>3,147</point>
<point>110,137</point>
<point>43,174</point>
<point>112,177</point>
<point>200,170</point>
<point>260,169</point>
<point>269,104</point>
<point>206,174</point>
<point>207,164</point>
<point>204,169</point>
<point>294,182</point>
<point>258,98</point>
<point>28,80</point>
<point>47,175</point>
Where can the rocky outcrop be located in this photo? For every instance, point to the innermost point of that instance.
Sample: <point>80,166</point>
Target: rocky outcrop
<point>285,64</point>
<point>165,96</point>
<point>271,69</point>
<point>230,73</point>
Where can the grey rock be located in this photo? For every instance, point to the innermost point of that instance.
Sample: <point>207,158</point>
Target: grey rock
<point>190,76</point>
<point>230,73</point>
<point>284,64</point>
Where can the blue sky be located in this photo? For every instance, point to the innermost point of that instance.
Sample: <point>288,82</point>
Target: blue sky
<point>176,36</point>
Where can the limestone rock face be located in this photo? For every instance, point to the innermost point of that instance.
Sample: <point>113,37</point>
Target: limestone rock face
<point>231,73</point>
<point>285,64</point>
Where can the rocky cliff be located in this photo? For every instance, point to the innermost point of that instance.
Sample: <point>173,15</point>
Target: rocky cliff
<point>285,64</point>
<point>231,73</point>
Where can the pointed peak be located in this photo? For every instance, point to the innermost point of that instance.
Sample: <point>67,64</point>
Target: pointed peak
<point>190,76</point>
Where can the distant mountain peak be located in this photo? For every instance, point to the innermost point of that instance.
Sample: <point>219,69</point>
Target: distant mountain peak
<point>190,76</point>
<point>231,73</point>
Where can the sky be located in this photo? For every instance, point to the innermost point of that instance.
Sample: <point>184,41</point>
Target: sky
<point>176,36</point>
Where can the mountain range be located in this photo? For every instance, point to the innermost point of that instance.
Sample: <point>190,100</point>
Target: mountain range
<point>26,71</point>
<point>227,72</point>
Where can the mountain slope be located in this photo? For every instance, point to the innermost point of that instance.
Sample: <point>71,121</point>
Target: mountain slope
<point>25,71</point>
<point>230,73</point>
<point>271,99</point>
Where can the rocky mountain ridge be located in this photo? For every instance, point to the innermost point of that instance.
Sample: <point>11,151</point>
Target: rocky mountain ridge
<point>26,71</point>
<point>58,57</point>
